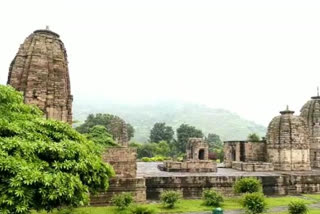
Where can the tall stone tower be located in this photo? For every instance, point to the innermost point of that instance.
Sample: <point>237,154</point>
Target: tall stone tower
<point>288,142</point>
<point>40,72</point>
<point>311,113</point>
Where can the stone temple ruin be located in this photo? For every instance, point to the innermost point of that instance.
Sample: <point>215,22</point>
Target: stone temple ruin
<point>40,71</point>
<point>286,162</point>
<point>286,148</point>
<point>197,159</point>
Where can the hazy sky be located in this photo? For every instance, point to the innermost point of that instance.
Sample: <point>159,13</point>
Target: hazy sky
<point>250,57</point>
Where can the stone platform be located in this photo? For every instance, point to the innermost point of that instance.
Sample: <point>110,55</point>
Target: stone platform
<point>189,166</point>
<point>191,185</point>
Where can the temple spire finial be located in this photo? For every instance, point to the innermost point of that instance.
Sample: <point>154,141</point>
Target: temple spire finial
<point>47,27</point>
<point>318,91</point>
<point>287,109</point>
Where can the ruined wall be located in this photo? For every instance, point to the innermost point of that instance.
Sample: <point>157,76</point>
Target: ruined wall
<point>40,71</point>
<point>244,151</point>
<point>135,186</point>
<point>123,160</point>
<point>190,166</point>
<point>193,186</point>
<point>252,166</point>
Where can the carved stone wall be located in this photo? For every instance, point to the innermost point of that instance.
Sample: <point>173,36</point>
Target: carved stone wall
<point>40,71</point>
<point>288,143</point>
<point>311,113</point>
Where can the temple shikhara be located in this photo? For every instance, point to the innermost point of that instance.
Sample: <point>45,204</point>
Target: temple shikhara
<point>40,71</point>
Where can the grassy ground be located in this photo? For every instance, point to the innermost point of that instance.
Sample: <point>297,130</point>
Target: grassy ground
<point>196,205</point>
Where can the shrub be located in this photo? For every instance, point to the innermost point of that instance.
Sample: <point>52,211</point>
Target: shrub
<point>146,159</point>
<point>297,207</point>
<point>44,164</point>
<point>212,198</point>
<point>169,198</point>
<point>142,210</point>
<point>247,185</point>
<point>254,202</point>
<point>122,201</point>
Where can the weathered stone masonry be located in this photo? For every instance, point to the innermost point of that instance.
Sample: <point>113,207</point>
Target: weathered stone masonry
<point>40,71</point>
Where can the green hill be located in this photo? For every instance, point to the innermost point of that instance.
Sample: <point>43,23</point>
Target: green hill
<point>228,125</point>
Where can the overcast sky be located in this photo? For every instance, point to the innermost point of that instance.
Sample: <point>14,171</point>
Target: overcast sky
<point>250,57</point>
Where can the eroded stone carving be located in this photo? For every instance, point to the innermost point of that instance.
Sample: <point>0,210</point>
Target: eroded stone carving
<point>40,71</point>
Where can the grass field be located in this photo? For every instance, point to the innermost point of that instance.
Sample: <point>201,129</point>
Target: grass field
<point>195,205</point>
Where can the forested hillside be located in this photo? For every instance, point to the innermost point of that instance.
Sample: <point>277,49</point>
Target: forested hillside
<point>228,125</point>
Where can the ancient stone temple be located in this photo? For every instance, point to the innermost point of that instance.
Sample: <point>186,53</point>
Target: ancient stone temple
<point>288,142</point>
<point>197,159</point>
<point>311,113</point>
<point>40,72</point>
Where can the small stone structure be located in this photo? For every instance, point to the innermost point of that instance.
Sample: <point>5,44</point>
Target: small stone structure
<point>311,113</point>
<point>40,71</point>
<point>197,159</point>
<point>288,142</point>
<point>123,160</point>
<point>197,149</point>
<point>244,151</point>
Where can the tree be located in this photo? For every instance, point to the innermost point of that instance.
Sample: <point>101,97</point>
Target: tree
<point>161,132</point>
<point>44,164</point>
<point>114,125</point>
<point>162,149</point>
<point>99,135</point>
<point>253,137</point>
<point>184,132</point>
<point>214,141</point>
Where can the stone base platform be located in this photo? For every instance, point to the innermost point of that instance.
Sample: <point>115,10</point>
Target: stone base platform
<point>252,166</point>
<point>188,166</point>
<point>191,185</point>
<point>135,186</point>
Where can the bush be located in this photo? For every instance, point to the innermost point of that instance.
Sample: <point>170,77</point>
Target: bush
<point>254,202</point>
<point>142,210</point>
<point>146,159</point>
<point>297,207</point>
<point>122,201</point>
<point>212,198</point>
<point>169,198</point>
<point>247,185</point>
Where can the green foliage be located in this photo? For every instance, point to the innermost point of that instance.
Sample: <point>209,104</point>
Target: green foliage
<point>99,135</point>
<point>297,207</point>
<point>184,132</point>
<point>169,198</point>
<point>44,164</point>
<point>253,137</point>
<point>254,203</point>
<point>162,149</point>
<point>161,132</point>
<point>212,198</point>
<point>152,149</point>
<point>142,210</point>
<point>122,201</point>
<point>154,159</point>
<point>112,123</point>
<point>247,185</point>
<point>214,141</point>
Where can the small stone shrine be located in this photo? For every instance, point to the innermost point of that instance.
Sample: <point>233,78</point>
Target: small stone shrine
<point>197,159</point>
